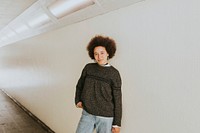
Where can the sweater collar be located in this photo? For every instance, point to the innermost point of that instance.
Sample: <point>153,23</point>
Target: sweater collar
<point>105,65</point>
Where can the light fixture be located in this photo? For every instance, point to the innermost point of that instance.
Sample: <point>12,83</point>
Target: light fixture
<point>41,19</point>
<point>4,38</point>
<point>21,28</point>
<point>61,8</point>
<point>10,33</point>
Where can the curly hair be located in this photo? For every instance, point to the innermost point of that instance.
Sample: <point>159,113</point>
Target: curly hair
<point>106,42</point>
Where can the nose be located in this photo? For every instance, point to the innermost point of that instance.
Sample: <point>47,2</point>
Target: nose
<point>100,56</point>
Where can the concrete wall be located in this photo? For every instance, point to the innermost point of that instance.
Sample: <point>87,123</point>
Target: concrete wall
<point>158,57</point>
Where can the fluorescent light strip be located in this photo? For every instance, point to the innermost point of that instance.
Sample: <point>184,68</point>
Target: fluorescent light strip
<point>10,34</point>
<point>4,38</point>
<point>21,28</point>
<point>39,20</point>
<point>61,8</point>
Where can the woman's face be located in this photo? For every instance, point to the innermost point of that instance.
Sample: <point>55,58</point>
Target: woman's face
<point>101,55</point>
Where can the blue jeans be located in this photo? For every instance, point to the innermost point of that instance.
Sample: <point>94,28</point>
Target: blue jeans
<point>89,122</point>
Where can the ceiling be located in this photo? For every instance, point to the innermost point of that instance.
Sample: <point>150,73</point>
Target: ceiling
<point>19,13</point>
<point>10,9</point>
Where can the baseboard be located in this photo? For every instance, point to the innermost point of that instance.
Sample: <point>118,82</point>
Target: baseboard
<point>49,130</point>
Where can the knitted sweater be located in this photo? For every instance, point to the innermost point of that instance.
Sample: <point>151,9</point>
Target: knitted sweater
<point>99,89</point>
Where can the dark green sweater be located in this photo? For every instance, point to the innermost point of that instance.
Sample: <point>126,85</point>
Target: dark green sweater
<point>99,89</point>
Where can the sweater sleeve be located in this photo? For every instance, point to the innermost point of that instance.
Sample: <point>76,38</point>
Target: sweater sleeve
<point>117,99</point>
<point>80,85</point>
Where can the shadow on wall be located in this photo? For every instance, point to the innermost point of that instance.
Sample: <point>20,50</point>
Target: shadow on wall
<point>43,81</point>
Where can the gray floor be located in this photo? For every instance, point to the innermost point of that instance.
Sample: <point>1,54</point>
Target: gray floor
<point>14,120</point>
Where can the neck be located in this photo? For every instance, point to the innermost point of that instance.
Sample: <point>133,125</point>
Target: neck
<point>104,65</point>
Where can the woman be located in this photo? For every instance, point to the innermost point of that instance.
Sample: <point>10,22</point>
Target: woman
<point>98,91</point>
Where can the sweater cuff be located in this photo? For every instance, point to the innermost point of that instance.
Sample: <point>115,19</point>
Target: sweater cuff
<point>116,126</point>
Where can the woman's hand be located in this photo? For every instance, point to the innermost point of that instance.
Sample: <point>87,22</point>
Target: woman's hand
<point>115,130</point>
<point>79,105</point>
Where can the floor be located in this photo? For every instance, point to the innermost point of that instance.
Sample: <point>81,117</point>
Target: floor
<point>14,120</point>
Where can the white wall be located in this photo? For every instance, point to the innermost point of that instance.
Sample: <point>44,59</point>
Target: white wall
<point>158,57</point>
